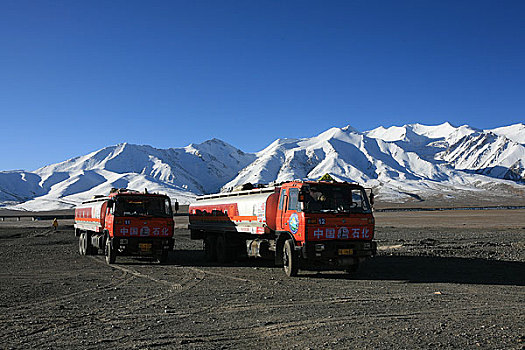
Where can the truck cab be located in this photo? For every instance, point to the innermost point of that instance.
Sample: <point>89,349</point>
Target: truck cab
<point>126,222</point>
<point>330,224</point>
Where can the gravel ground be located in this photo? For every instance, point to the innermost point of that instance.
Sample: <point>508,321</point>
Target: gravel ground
<point>427,288</point>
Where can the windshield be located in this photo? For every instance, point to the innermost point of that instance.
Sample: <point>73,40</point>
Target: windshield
<point>330,198</point>
<point>142,206</point>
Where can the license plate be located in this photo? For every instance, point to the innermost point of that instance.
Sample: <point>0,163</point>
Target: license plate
<point>145,247</point>
<point>346,251</point>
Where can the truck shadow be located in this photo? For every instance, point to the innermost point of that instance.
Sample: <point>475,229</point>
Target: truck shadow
<point>410,269</point>
<point>196,258</point>
<point>425,269</point>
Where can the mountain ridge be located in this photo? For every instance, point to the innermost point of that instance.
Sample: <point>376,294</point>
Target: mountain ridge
<point>400,162</point>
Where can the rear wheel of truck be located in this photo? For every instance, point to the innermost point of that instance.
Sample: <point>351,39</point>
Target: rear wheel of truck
<point>82,241</point>
<point>89,249</point>
<point>111,255</point>
<point>290,259</point>
<point>223,253</point>
<point>210,248</point>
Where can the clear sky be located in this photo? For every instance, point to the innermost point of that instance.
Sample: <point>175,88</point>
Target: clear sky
<point>76,76</point>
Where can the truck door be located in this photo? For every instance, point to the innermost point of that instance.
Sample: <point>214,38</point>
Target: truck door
<point>280,212</point>
<point>291,218</point>
<point>103,212</point>
<point>109,217</point>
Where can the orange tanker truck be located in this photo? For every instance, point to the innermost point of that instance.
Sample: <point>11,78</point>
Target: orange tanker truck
<point>126,223</point>
<point>311,225</point>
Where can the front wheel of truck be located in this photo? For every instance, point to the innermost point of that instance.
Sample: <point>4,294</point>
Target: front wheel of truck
<point>163,258</point>
<point>111,254</point>
<point>290,259</point>
<point>352,269</point>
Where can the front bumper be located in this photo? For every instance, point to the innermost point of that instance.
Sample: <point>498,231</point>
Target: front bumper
<point>337,253</point>
<point>142,245</point>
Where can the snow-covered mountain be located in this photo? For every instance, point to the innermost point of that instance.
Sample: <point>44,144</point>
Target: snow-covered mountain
<point>180,172</point>
<point>411,162</point>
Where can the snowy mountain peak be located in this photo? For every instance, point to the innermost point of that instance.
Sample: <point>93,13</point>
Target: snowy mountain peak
<point>433,131</point>
<point>514,132</point>
<point>329,134</point>
<point>445,133</point>
<point>393,133</point>
<point>214,145</point>
<point>349,128</point>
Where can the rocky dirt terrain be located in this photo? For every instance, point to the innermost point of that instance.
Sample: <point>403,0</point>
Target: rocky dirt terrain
<point>430,286</point>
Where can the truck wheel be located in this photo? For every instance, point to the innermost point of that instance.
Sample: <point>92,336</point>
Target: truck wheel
<point>210,248</point>
<point>290,259</point>
<point>111,255</point>
<point>93,251</point>
<point>82,243</point>
<point>88,245</point>
<point>163,258</point>
<point>352,269</point>
<point>223,253</point>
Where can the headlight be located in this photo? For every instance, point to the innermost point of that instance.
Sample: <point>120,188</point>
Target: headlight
<point>319,247</point>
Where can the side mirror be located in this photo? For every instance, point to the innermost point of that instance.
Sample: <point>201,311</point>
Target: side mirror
<point>301,197</point>
<point>372,196</point>
<point>176,206</point>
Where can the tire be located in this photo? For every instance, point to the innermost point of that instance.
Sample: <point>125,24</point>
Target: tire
<point>88,245</point>
<point>82,241</point>
<point>352,269</point>
<point>111,254</point>
<point>94,251</point>
<point>210,248</point>
<point>223,253</point>
<point>163,258</point>
<point>290,259</point>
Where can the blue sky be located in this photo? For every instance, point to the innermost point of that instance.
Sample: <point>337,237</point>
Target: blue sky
<point>76,76</point>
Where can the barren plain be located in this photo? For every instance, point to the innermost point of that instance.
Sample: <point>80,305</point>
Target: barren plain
<point>441,280</point>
